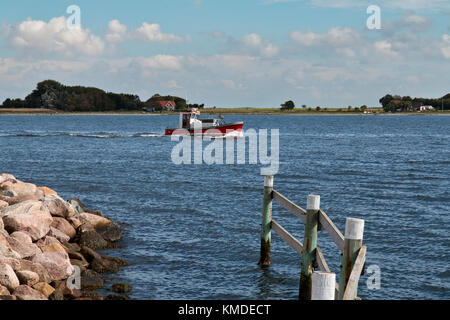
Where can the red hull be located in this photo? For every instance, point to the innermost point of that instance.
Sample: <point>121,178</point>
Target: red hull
<point>214,131</point>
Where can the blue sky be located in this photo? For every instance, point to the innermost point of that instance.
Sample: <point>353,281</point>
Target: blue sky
<point>230,53</point>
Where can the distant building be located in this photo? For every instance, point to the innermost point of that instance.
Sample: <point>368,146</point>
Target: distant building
<point>168,105</point>
<point>426,108</point>
<point>416,105</point>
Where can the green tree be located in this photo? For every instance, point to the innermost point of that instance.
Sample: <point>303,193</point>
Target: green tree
<point>390,107</point>
<point>386,99</point>
<point>288,105</point>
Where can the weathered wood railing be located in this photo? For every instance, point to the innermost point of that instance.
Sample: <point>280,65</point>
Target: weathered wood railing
<point>313,284</point>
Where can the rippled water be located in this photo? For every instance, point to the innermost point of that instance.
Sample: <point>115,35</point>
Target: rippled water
<point>192,231</point>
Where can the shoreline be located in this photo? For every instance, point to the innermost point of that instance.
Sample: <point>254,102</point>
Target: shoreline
<point>229,113</point>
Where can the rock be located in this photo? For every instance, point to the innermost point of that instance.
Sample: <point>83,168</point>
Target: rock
<point>77,205</point>
<point>17,186</point>
<point>80,264</point>
<point>6,176</point>
<point>53,247</point>
<point>6,250</point>
<point>9,193</point>
<point>57,206</point>
<point>71,246</point>
<point>39,194</point>
<point>74,222</point>
<point>97,213</point>
<point>44,275</point>
<point>71,292</point>
<point>27,216</point>
<point>21,198</point>
<point>85,227</point>
<point>89,254</point>
<point>62,292</point>
<point>78,256</point>
<point>3,204</point>
<point>4,233</point>
<point>44,288</point>
<point>24,249</point>
<point>93,240</point>
<point>27,277</point>
<point>8,297</point>
<point>111,232</point>
<point>61,236</point>
<point>24,208</point>
<point>24,292</point>
<point>91,280</point>
<point>46,241</point>
<point>118,261</point>
<point>47,191</point>
<point>58,293</point>
<point>93,219</point>
<point>64,226</point>
<point>22,236</point>
<point>8,278</point>
<point>92,295</point>
<point>4,291</point>
<point>56,263</point>
<point>14,263</point>
<point>121,287</point>
<point>104,265</point>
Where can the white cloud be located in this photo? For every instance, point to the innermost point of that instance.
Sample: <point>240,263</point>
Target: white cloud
<point>55,37</point>
<point>152,33</point>
<point>263,47</point>
<point>161,62</point>
<point>147,32</point>
<point>230,84</point>
<point>117,32</point>
<point>446,48</point>
<point>385,48</point>
<point>335,37</point>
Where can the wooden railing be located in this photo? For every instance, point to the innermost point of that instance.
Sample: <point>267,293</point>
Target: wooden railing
<point>313,284</point>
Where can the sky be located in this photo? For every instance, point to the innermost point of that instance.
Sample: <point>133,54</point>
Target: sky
<point>230,53</point>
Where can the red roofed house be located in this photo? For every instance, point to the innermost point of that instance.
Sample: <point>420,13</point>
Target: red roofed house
<point>168,105</point>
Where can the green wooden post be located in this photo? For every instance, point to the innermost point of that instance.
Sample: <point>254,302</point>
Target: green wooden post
<point>309,246</point>
<point>266,221</point>
<point>354,229</point>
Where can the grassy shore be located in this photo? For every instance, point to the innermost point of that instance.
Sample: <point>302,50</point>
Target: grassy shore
<point>225,111</point>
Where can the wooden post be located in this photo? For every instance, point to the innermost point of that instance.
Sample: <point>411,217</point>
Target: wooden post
<point>354,229</point>
<point>323,286</point>
<point>309,246</point>
<point>264,259</point>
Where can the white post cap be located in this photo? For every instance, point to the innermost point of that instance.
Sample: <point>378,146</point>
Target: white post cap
<point>354,229</point>
<point>313,202</point>
<point>268,181</point>
<point>323,286</point>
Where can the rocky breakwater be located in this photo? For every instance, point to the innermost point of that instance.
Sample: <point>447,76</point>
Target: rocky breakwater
<point>48,245</point>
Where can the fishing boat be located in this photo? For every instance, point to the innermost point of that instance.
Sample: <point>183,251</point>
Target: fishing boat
<point>191,124</point>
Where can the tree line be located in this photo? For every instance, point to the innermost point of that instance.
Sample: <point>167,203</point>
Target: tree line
<point>395,103</point>
<point>54,95</point>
